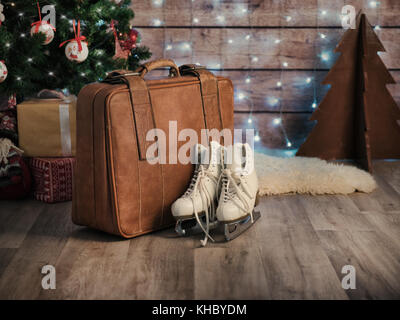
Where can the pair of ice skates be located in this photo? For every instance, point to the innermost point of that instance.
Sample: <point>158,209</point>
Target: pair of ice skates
<point>223,192</point>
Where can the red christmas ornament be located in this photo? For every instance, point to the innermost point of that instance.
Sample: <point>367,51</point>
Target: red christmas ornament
<point>131,40</point>
<point>124,47</point>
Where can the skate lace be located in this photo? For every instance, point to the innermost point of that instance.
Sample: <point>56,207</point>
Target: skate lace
<point>197,185</point>
<point>193,182</point>
<point>232,191</point>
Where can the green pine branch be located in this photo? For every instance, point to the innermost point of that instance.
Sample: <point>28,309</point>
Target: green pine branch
<point>33,66</point>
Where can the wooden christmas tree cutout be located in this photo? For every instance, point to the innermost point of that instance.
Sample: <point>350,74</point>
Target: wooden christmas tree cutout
<point>358,118</point>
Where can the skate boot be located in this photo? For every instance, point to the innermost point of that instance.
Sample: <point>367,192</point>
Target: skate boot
<point>239,191</point>
<point>195,210</point>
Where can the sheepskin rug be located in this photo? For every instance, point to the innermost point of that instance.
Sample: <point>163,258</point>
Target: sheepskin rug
<point>309,175</point>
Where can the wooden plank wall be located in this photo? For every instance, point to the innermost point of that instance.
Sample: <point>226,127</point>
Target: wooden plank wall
<point>250,40</point>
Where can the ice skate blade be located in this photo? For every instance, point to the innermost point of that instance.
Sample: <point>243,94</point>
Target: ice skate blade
<point>190,227</point>
<point>235,229</point>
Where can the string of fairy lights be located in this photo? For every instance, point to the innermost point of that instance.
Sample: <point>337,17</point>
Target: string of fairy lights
<point>240,10</point>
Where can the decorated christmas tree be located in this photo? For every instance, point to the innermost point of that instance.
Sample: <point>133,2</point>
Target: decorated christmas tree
<point>96,37</point>
<point>358,118</point>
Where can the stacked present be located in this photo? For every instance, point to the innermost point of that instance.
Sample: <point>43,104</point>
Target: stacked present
<point>52,178</point>
<point>47,136</point>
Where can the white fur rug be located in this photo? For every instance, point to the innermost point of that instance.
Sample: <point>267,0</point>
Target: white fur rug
<point>309,175</point>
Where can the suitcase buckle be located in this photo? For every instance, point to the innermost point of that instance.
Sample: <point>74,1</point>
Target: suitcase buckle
<point>191,67</point>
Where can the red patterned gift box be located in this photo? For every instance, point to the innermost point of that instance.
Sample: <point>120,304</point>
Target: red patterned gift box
<point>52,178</point>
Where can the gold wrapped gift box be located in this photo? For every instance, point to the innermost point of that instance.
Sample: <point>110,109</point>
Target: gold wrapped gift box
<point>47,127</point>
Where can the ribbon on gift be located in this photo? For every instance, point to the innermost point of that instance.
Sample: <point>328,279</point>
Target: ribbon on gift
<point>37,24</point>
<point>65,129</point>
<point>78,37</point>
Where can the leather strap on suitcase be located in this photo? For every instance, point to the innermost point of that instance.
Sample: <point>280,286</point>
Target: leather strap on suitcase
<point>140,98</point>
<point>209,94</point>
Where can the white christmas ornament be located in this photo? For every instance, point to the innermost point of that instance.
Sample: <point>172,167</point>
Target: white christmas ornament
<point>74,54</point>
<point>44,27</point>
<point>2,17</point>
<point>3,71</point>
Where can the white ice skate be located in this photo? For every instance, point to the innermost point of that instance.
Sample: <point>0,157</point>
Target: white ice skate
<point>239,192</point>
<point>195,210</point>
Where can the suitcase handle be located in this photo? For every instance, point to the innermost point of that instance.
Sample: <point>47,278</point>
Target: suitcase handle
<point>144,69</point>
<point>157,64</point>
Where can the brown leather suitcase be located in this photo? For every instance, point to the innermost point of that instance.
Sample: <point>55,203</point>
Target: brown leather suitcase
<point>116,189</point>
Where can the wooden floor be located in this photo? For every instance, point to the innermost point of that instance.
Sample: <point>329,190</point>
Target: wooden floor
<point>295,251</point>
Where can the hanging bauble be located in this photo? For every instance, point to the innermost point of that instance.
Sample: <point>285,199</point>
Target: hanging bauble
<point>131,40</point>
<point>2,17</point>
<point>76,52</point>
<point>77,49</point>
<point>133,35</point>
<point>3,71</point>
<point>43,27</point>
